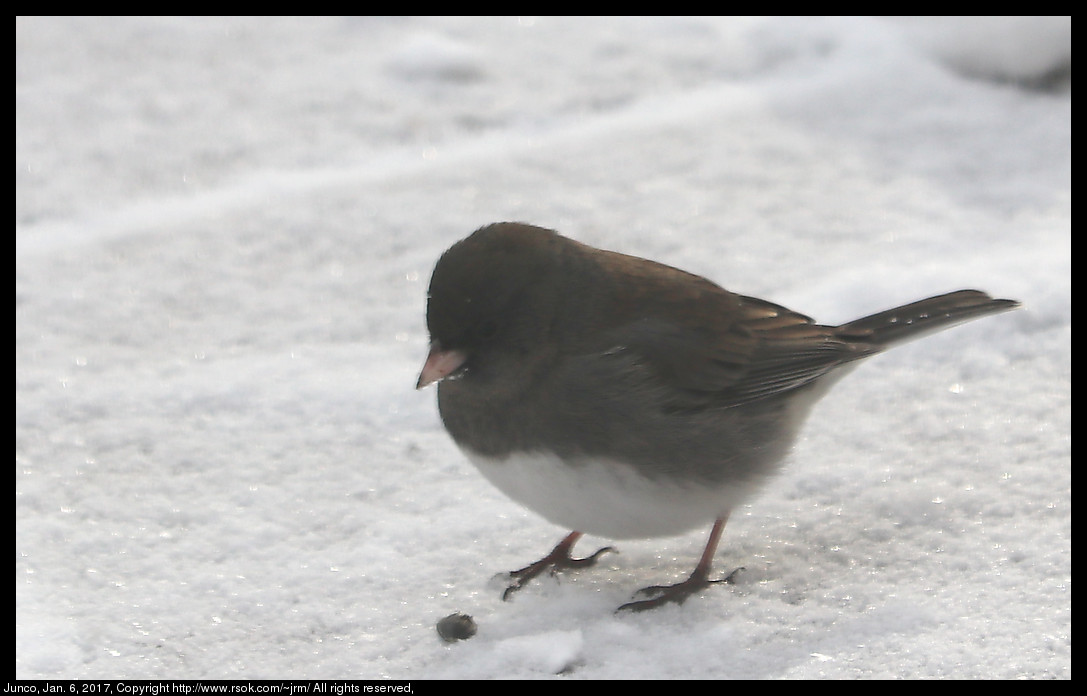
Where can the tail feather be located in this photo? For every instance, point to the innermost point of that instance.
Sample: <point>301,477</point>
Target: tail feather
<point>924,316</point>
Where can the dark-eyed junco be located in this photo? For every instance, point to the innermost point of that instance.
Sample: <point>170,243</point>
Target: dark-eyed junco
<point>624,398</point>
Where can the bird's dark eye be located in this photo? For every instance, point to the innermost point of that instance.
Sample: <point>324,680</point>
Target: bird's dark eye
<point>487,330</point>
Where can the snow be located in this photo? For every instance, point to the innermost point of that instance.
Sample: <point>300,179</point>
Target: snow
<point>224,232</point>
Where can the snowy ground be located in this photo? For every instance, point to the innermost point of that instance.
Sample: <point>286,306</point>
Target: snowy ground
<point>224,231</point>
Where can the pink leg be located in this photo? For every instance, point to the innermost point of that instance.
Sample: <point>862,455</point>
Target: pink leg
<point>699,578</point>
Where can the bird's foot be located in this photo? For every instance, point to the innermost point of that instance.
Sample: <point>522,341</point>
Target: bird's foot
<point>559,559</point>
<point>677,593</point>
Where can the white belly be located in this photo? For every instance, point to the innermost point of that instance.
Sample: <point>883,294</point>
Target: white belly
<point>606,498</point>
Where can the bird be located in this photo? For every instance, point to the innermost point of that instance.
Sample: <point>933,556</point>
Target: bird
<point>624,398</point>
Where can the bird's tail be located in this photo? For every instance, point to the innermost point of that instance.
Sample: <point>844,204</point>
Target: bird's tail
<point>916,319</point>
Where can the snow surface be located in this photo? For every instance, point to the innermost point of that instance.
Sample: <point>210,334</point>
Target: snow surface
<point>224,232</point>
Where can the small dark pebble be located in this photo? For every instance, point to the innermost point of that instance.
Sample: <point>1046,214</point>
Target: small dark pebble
<point>456,627</point>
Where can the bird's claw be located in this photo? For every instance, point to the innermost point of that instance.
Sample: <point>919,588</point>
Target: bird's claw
<point>554,562</point>
<point>677,593</point>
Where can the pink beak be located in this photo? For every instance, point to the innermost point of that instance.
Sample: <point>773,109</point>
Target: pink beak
<point>439,364</point>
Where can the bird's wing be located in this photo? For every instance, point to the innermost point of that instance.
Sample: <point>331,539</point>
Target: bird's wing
<point>701,363</point>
